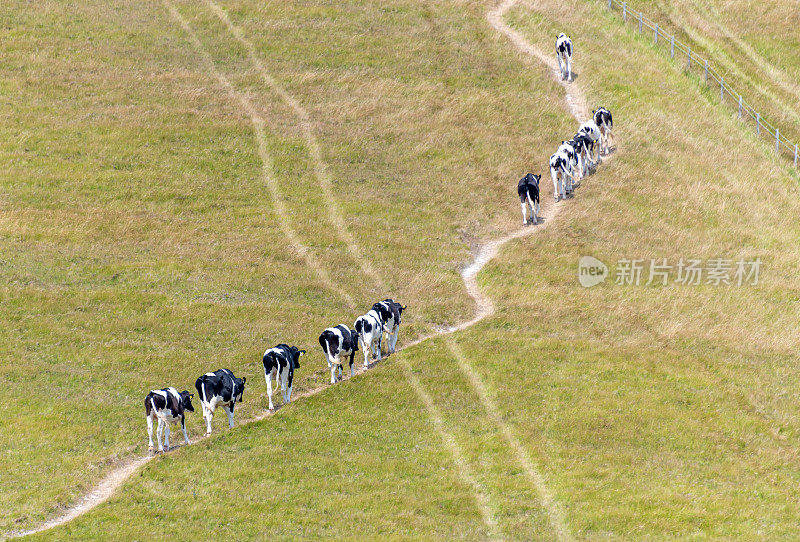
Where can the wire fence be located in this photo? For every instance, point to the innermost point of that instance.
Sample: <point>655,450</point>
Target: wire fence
<point>678,50</point>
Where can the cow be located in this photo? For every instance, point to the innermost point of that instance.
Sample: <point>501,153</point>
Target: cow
<point>370,332</point>
<point>590,129</point>
<point>390,312</point>
<point>168,406</point>
<point>337,342</point>
<point>580,163</point>
<point>528,190</point>
<point>220,388</point>
<point>559,170</point>
<point>572,161</point>
<point>281,361</point>
<point>564,56</point>
<point>602,118</point>
<point>584,147</point>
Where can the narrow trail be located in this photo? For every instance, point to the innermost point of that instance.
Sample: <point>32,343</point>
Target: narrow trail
<point>484,307</point>
<point>335,215</point>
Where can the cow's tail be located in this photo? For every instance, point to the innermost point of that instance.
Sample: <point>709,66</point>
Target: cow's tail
<point>323,343</point>
<point>201,389</point>
<point>148,405</point>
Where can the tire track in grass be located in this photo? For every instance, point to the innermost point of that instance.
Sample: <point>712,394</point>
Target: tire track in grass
<point>554,511</point>
<point>267,173</point>
<point>484,306</point>
<point>449,441</point>
<point>320,168</point>
<point>335,214</point>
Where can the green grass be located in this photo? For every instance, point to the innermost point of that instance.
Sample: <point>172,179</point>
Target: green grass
<point>141,247</point>
<point>649,412</point>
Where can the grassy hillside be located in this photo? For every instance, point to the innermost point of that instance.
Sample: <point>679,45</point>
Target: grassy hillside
<point>630,411</point>
<point>142,246</point>
<point>756,50</point>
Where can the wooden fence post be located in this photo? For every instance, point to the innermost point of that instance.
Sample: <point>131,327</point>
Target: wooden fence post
<point>758,123</point>
<point>722,89</point>
<point>672,47</point>
<point>777,140</point>
<point>706,71</point>
<point>640,22</point>
<point>655,38</point>
<point>795,155</point>
<point>740,106</point>
<point>625,11</point>
<point>689,56</point>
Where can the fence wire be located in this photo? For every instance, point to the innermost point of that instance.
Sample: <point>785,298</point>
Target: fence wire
<point>678,50</point>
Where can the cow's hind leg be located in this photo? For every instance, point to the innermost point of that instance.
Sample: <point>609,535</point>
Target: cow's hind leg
<point>393,339</point>
<point>283,377</point>
<point>365,347</point>
<point>554,176</point>
<point>268,378</point>
<point>159,430</point>
<point>166,436</point>
<point>332,367</point>
<point>207,416</point>
<point>534,211</point>
<point>379,345</point>
<point>150,431</point>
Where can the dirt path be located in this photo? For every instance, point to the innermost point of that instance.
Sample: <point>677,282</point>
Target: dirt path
<point>484,306</point>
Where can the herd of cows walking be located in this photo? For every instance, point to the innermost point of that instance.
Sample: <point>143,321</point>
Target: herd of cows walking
<point>223,389</point>
<point>573,160</point>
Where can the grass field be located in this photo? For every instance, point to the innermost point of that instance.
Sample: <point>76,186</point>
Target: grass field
<point>742,44</point>
<point>143,247</point>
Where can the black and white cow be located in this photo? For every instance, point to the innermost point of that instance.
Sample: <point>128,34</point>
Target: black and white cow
<point>559,172</point>
<point>220,388</point>
<point>169,407</point>
<point>591,130</point>
<point>528,190</point>
<point>579,169</point>
<point>391,312</point>
<point>602,118</point>
<point>584,146</point>
<point>564,56</point>
<point>337,342</point>
<point>370,332</point>
<point>281,361</point>
<point>572,160</point>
